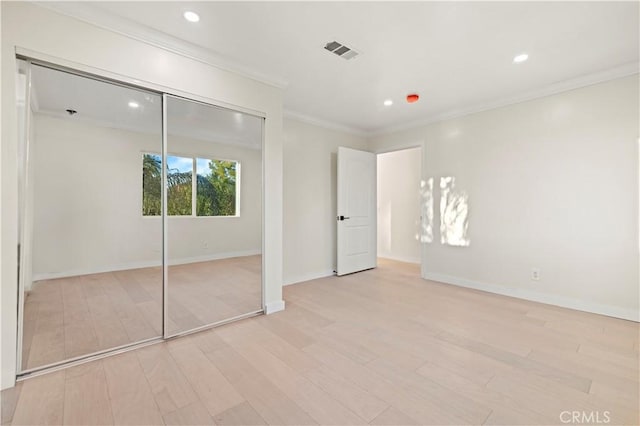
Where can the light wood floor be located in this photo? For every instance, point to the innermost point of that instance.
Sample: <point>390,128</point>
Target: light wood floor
<point>381,347</point>
<point>70,317</point>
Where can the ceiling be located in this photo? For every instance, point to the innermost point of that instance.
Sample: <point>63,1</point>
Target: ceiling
<point>458,56</point>
<point>105,104</point>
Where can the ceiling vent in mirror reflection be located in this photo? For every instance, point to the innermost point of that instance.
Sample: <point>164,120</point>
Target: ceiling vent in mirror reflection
<point>341,50</point>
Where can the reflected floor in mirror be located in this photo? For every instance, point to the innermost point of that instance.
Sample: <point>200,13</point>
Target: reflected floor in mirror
<point>75,316</point>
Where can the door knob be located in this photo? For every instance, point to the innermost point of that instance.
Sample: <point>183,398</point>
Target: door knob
<point>343,217</point>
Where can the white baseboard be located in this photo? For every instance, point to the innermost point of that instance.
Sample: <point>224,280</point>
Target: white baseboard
<point>400,258</point>
<point>215,256</point>
<point>139,265</point>
<point>550,299</point>
<point>308,277</point>
<point>273,307</point>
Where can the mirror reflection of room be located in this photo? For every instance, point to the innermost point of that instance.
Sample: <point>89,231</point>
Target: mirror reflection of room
<point>214,199</point>
<point>91,216</point>
<point>91,264</point>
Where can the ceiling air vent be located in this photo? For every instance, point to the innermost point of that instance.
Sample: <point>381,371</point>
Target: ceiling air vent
<point>341,50</point>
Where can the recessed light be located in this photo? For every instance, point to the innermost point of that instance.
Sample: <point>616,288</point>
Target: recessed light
<point>133,104</point>
<point>191,16</point>
<point>388,102</point>
<point>520,58</point>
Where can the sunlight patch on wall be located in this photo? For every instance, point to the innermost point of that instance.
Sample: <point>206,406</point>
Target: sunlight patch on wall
<point>454,214</point>
<point>426,194</point>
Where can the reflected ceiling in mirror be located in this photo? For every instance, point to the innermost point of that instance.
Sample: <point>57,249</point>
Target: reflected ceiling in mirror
<point>120,107</point>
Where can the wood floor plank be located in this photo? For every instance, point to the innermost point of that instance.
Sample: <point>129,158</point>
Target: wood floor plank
<point>41,401</point>
<point>8,401</point>
<point>192,414</point>
<point>272,404</point>
<point>522,363</point>
<point>361,402</point>
<point>317,403</point>
<point>288,331</point>
<point>211,386</point>
<point>420,409</point>
<point>504,409</point>
<point>86,396</point>
<point>132,401</point>
<point>47,347</point>
<point>618,394</point>
<point>240,415</point>
<point>549,399</point>
<point>252,331</point>
<point>208,341</point>
<point>469,409</point>
<point>393,417</point>
<point>170,388</point>
<point>508,416</point>
<point>627,360</point>
<point>602,372</point>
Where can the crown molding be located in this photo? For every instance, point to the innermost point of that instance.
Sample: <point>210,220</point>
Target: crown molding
<point>91,14</point>
<point>555,88</point>
<point>552,89</point>
<point>294,115</point>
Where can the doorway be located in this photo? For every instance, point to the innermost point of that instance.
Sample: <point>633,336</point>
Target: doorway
<point>399,205</point>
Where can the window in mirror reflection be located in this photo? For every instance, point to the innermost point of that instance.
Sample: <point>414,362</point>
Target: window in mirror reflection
<point>151,185</point>
<point>216,190</point>
<point>179,186</point>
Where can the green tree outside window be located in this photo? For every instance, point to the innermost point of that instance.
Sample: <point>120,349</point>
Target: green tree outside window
<point>216,186</point>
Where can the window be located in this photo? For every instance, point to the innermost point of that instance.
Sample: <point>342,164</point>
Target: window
<point>195,186</point>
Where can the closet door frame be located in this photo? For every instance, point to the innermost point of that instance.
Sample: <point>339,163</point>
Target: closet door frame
<point>165,222</point>
<point>35,58</point>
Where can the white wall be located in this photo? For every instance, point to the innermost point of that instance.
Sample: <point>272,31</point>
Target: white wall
<point>60,39</point>
<point>88,202</point>
<point>399,174</point>
<point>310,155</point>
<point>552,184</point>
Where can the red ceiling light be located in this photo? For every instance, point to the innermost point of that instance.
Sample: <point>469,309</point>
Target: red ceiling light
<point>413,98</point>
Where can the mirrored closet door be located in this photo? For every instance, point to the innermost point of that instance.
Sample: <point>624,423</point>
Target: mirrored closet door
<point>140,216</point>
<point>91,255</point>
<point>214,215</point>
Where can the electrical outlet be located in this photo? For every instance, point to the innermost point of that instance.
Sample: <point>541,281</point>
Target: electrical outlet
<point>535,274</point>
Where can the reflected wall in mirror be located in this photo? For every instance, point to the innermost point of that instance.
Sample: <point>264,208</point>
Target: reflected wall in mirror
<point>214,214</point>
<point>91,261</point>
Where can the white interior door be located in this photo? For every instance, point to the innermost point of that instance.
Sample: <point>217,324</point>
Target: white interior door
<point>356,211</point>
